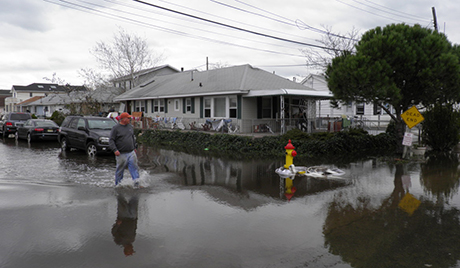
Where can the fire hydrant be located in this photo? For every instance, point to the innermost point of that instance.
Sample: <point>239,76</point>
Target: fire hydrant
<point>290,154</point>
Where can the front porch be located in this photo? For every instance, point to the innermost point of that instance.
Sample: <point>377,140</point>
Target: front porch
<point>255,126</point>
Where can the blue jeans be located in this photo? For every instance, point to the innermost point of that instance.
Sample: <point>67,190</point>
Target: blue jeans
<point>126,160</point>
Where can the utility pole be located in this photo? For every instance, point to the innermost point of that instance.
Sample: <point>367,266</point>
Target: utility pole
<point>435,21</point>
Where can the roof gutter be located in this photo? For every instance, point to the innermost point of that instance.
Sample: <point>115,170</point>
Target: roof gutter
<point>183,95</point>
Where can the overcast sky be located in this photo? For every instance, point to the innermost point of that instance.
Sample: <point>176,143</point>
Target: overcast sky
<point>42,37</point>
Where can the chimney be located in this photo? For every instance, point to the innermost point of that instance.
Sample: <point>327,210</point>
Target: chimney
<point>181,69</point>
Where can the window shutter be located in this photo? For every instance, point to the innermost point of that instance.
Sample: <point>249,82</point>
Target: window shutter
<point>259,107</point>
<point>193,105</point>
<point>238,107</point>
<point>184,105</point>
<point>201,107</point>
<point>166,106</point>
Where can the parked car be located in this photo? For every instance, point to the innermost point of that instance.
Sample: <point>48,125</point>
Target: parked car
<point>38,129</point>
<point>86,133</point>
<point>11,121</point>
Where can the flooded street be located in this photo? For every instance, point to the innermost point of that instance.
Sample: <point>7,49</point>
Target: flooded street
<point>62,210</point>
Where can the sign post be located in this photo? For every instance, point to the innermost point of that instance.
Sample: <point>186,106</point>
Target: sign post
<point>411,117</point>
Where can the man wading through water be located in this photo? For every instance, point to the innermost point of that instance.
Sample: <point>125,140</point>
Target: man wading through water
<point>123,144</point>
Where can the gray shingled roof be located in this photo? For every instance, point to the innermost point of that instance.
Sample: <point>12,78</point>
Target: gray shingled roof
<point>242,79</point>
<point>48,87</point>
<point>105,95</point>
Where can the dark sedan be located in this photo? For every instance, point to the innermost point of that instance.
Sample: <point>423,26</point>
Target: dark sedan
<point>38,129</point>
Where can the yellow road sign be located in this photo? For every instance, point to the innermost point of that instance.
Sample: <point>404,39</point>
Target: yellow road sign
<point>412,117</point>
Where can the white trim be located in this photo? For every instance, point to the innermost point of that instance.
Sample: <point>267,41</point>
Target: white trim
<point>183,95</point>
<point>282,91</point>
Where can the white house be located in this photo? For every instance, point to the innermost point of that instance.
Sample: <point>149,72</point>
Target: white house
<point>369,114</point>
<point>252,98</point>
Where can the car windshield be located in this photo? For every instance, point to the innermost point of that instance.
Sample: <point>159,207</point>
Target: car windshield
<point>20,116</point>
<point>101,123</point>
<point>46,124</point>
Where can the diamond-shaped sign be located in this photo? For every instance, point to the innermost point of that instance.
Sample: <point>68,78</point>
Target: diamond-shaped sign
<point>412,117</point>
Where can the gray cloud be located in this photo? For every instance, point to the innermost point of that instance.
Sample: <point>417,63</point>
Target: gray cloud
<point>25,14</point>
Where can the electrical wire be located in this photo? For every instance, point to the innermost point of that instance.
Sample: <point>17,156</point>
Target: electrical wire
<point>403,13</point>
<point>298,23</point>
<point>236,28</point>
<point>220,17</point>
<point>367,11</point>
<point>108,15</point>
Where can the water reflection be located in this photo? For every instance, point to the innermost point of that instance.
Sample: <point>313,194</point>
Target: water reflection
<point>124,228</point>
<point>243,179</point>
<point>366,233</point>
<point>440,175</point>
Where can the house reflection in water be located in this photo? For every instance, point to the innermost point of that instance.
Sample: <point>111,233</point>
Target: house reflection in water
<point>251,181</point>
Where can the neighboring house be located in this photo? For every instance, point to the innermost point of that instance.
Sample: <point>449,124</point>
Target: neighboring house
<point>143,76</point>
<point>24,106</point>
<point>252,98</point>
<point>4,93</point>
<point>20,94</point>
<point>81,102</point>
<point>371,113</point>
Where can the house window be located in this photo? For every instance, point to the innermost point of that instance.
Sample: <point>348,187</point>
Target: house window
<point>348,107</point>
<point>232,107</point>
<point>139,106</point>
<point>176,105</point>
<point>188,104</point>
<point>158,105</point>
<point>360,108</point>
<point>207,107</point>
<point>219,107</point>
<point>266,108</point>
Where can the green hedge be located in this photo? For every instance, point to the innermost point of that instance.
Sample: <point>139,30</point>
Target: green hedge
<point>340,144</point>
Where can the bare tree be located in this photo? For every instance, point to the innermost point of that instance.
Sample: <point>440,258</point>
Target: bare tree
<point>125,56</point>
<point>336,44</point>
<point>93,78</point>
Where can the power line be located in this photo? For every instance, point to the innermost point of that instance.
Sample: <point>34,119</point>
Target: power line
<point>112,16</point>
<point>366,10</point>
<point>407,14</point>
<point>234,27</point>
<point>169,22</point>
<point>298,23</point>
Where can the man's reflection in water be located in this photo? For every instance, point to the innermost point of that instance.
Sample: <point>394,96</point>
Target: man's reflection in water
<point>124,229</point>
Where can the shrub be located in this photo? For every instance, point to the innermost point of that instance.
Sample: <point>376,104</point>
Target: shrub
<point>441,127</point>
<point>343,144</point>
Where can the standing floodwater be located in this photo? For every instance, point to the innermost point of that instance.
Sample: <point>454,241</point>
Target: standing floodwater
<point>62,210</point>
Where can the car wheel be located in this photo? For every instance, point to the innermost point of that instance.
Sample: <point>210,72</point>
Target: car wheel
<point>29,138</point>
<point>91,149</point>
<point>64,145</point>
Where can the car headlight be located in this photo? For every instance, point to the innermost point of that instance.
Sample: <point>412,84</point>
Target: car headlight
<point>104,140</point>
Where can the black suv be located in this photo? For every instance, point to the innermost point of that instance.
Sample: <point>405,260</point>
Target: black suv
<point>10,122</point>
<point>86,133</point>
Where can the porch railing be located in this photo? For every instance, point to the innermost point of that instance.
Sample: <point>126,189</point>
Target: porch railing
<point>268,126</point>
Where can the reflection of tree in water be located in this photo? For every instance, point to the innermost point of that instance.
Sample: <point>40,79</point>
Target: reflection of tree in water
<point>366,235</point>
<point>440,175</point>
